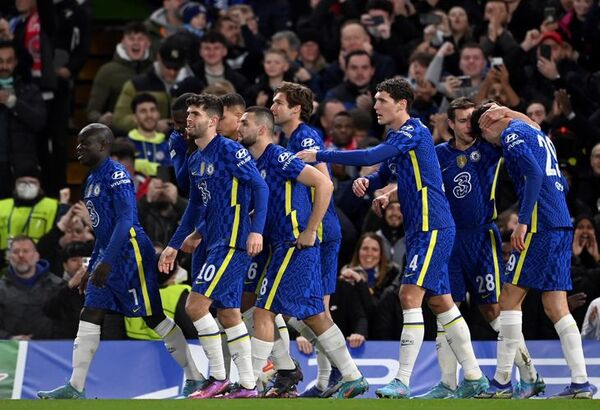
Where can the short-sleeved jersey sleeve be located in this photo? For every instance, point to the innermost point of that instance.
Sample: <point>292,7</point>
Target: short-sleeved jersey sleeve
<point>286,163</point>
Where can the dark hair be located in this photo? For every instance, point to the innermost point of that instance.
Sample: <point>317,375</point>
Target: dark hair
<point>358,53</point>
<point>214,37</point>
<point>398,89</point>
<point>422,58</point>
<point>263,116</point>
<point>385,5</point>
<point>460,103</point>
<point>473,45</point>
<point>135,27</point>
<point>8,44</point>
<point>383,261</point>
<point>232,100</point>
<point>123,148</point>
<point>75,249</point>
<point>22,238</point>
<point>297,94</point>
<point>142,98</point>
<point>344,114</point>
<point>475,116</point>
<point>207,102</point>
<point>180,103</point>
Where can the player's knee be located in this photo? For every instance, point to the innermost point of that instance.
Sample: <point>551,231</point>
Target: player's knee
<point>408,300</point>
<point>229,317</point>
<point>555,310</point>
<point>196,308</point>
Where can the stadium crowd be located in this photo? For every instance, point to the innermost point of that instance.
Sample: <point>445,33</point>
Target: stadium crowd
<point>537,57</point>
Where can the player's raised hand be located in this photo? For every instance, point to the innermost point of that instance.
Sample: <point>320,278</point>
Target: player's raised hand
<point>517,239</point>
<point>380,203</point>
<point>166,262</point>
<point>254,244</point>
<point>191,242</point>
<point>360,186</point>
<point>306,239</point>
<point>308,155</point>
<point>100,274</point>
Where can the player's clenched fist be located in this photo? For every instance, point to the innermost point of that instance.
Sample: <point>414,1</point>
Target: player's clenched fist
<point>360,186</point>
<point>166,263</point>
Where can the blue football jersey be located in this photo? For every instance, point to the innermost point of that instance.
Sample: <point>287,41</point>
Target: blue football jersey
<point>221,174</point>
<point>420,187</point>
<point>109,196</point>
<point>524,146</point>
<point>305,137</point>
<point>470,182</point>
<point>289,201</point>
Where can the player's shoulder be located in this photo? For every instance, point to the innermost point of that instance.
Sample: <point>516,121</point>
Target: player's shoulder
<point>307,137</point>
<point>443,148</point>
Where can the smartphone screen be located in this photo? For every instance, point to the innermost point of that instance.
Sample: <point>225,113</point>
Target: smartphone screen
<point>546,51</point>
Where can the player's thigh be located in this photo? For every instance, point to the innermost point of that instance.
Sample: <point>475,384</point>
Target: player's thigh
<point>484,273</point>
<point>545,264</point>
<point>292,284</point>
<point>428,254</point>
<point>329,265</point>
<point>221,277</point>
<point>256,271</point>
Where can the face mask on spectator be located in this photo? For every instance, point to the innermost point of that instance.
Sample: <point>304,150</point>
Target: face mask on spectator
<point>26,190</point>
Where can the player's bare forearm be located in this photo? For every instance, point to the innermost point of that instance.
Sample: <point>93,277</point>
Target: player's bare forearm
<point>322,167</point>
<point>515,115</point>
<point>311,177</point>
<point>391,190</point>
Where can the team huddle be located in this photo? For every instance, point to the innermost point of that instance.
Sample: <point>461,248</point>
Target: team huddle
<point>262,228</point>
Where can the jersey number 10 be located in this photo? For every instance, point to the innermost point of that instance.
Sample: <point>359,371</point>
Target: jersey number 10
<point>552,167</point>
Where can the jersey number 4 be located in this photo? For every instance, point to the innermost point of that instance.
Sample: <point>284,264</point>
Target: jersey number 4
<point>552,167</point>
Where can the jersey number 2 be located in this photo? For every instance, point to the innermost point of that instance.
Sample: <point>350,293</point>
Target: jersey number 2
<point>552,167</point>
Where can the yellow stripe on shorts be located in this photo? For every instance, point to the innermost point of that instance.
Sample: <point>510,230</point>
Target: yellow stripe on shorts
<point>222,268</point>
<point>141,273</point>
<point>280,273</point>
<point>430,249</point>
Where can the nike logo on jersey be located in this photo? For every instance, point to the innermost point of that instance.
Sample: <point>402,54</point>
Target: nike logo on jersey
<point>407,275</point>
<point>247,282</point>
<point>487,295</point>
<point>137,309</point>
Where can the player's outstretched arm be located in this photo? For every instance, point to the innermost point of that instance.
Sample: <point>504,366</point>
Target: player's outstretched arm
<point>312,177</point>
<point>360,157</point>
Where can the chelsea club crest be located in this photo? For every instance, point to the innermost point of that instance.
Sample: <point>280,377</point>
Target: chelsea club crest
<point>475,156</point>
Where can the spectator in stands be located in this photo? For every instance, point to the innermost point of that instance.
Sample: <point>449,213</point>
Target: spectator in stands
<point>497,40</point>
<point>575,25</point>
<point>590,183</point>
<point>310,56</point>
<point>536,110</point>
<point>354,37</point>
<point>326,111</point>
<point>24,288</point>
<point>29,211</point>
<point>168,69</point>
<point>151,146</point>
<point>289,42</point>
<point>131,58</point>
<point>164,21</point>
<point>194,18</point>
<point>472,64</point>
<point>252,39</point>
<point>392,234</point>
<point>585,268</point>
<point>244,52</point>
<point>276,70</point>
<point>161,210</point>
<point>378,20</point>
<point>496,86</point>
<point>211,67</point>
<point>74,226</point>
<point>65,305</point>
<point>22,118</point>
<point>233,109</point>
<point>358,88</point>
<point>591,324</point>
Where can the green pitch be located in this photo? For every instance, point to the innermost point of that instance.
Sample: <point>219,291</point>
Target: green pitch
<point>299,404</point>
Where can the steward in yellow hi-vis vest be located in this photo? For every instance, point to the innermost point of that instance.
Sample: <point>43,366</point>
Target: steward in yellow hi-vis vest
<point>29,212</point>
